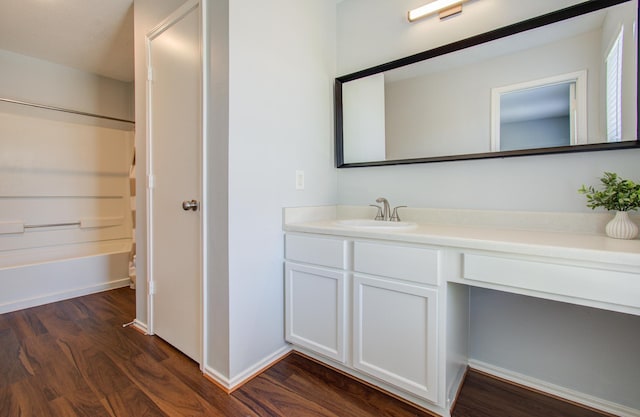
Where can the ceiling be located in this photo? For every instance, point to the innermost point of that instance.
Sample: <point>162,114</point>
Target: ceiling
<point>91,35</point>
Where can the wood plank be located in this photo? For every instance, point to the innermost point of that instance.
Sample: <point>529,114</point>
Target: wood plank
<point>154,347</point>
<point>132,402</point>
<point>266,398</point>
<point>25,323</point>
<point>339,393</point>
<point>12,369</point>
<point>4,323</point>
<point>25,399</point>
<point>52,373</point>
<point>74,359</point>
<point>104,375</point>
<point>113,308</point>
<point>188,372</point>
<point>56,321</point>
<point>111,337</point>
<point>80,403</point>
<point>165,389</point>
<point>483,396</point>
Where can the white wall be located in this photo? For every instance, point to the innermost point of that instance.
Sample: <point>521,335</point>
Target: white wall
<point>34,80</point>
<point>371,32</point>
<point>281,67</point>
<point>589,350</point>
<point>218,355</point>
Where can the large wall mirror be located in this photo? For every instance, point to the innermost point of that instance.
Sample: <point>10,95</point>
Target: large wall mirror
<point>562,82</point>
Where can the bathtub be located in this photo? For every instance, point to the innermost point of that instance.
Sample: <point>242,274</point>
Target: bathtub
<point>57,276</point>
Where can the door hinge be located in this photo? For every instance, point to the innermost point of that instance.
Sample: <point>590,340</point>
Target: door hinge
<point>152,287</point>
<point>150,181</point>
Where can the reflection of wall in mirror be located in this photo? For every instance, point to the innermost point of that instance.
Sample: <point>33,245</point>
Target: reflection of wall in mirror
<point>363,119</point>
<point>449,113</point>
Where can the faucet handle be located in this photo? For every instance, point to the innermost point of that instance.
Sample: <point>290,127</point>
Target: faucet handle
<point>379,215</point>
<point>394,216</point>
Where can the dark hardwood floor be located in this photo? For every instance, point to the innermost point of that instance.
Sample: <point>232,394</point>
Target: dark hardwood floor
<point>74,358</point>
<point>483,396</point>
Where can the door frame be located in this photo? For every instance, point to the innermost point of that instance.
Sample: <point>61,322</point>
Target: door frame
<point>174,17</point>
<point>578,104</point>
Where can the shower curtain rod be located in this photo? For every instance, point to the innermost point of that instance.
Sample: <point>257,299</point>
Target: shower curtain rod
<point>60,109</point>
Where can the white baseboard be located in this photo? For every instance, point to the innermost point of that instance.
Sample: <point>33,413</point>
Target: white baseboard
<point>555,390</point>
<point>140,326</point>
<point>231,384</point>
<point>217,377</point>
<point>453,390</point>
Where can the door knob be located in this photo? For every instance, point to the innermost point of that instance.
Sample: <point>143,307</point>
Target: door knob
<point>190,205</point>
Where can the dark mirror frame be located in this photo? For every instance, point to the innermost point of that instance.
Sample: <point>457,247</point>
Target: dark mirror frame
<point>533,23</point>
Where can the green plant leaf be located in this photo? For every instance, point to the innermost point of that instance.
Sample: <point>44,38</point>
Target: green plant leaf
<point>618,194</point>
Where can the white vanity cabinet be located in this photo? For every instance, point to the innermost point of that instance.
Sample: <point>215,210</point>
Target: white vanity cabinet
<point>369,305</point>
<point>394,334</point>
<point>407,309</point>
<point>590,283</point>
<point>316,294</point>
<point>395,315</point>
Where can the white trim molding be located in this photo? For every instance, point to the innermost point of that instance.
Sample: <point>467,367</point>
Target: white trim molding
<point>140,326</point>
<point>578,104</point>
<point>231,384</point>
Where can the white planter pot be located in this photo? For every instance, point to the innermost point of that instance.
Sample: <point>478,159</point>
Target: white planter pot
<point>622,227</point>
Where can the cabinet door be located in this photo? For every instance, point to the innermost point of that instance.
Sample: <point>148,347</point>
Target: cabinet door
<point>315,309</point>
<point>395,336</point>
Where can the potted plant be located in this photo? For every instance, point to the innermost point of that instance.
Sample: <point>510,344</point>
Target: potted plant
<point>620,195</point>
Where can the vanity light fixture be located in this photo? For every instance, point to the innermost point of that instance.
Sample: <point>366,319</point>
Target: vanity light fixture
<point>445,8</point>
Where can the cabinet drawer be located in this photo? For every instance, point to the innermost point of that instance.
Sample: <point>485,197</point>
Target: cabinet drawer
<point>575,282</point>
<point>317,250</point>
<point>411,263</point>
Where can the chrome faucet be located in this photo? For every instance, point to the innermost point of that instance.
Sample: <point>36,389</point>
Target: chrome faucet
<point>386,211</point>
<point>395,217</point>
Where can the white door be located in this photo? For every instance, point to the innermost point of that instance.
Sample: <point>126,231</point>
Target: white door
<point>175,146</point>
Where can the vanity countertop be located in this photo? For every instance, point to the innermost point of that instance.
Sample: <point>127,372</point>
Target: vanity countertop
<point>557,244</point>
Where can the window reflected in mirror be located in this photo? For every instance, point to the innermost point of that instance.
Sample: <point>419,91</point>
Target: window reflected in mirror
<point>614,64</point>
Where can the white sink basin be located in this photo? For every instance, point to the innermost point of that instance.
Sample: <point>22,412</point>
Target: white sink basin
<point>367,224</point>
